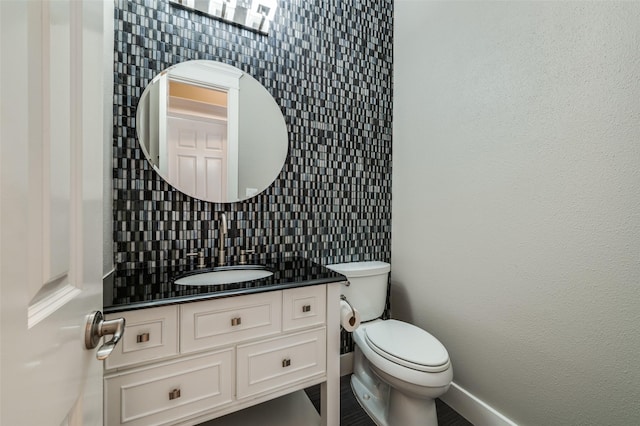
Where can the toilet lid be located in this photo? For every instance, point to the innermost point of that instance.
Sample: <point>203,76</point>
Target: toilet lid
<point>407,345</point>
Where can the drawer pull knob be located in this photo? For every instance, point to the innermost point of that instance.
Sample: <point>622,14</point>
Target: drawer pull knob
<point>141,338</point>
<point>306,308</point>
<point>236,321</point>
<point>286,362</point>
<point>174,394</point>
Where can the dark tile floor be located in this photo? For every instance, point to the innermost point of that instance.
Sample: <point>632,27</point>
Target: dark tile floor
<point>351,414</point>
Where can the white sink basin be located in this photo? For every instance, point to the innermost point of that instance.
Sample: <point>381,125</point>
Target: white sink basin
<point>226,276</point>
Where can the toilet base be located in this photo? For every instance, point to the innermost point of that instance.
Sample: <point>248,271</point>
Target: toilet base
<point>385,403</point>
<point>411,411</point>
<point>371,402</point>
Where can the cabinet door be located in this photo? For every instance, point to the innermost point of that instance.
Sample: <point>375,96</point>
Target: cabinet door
<point>150,334</point>
<point>283,361</point>
<point>170,391</point>
<point>220,322</point>
<point>304,307</point>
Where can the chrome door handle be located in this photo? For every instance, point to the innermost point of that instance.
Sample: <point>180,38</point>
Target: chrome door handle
<point>98,327</point>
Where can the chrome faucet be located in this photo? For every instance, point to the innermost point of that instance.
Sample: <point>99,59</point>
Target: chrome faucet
<point>222,240</point>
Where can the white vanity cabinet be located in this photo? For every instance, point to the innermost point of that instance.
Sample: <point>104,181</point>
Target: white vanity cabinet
<point>189,363</point>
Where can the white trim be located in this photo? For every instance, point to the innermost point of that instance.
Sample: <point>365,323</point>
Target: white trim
<point>233,140</point>
<point>111,271</point>
<point>163,102</point>
<point>330,389</point>
<point>473,408</point>
<point>107,131</point>
<point>208,74</point>
<point>40,310</point>
<point>346,364</point>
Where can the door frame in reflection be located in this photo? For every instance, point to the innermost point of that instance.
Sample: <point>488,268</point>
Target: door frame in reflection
<point>210,77</point>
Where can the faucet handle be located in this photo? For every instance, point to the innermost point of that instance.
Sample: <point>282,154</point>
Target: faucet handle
<point>223,224</point>
<point>200,255</point>
<point>243,255</point>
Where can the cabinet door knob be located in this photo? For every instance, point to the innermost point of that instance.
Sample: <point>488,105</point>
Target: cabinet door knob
<point>174,394</point>
<point>306,308</point>
<point>286,362</point>
<point>141,338</point>
<point>236,321</point>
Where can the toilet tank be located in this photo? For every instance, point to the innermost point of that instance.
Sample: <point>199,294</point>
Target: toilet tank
<point>367,289</point>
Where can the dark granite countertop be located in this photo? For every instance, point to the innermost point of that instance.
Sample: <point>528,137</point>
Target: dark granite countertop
<point>147,288</point>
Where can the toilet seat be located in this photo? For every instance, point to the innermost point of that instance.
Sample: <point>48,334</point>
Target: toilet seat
<point>407,345</point>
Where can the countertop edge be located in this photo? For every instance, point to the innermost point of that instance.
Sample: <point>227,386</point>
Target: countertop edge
<point>218,295</point>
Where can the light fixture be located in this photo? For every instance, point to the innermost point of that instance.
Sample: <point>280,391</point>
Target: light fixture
<point>261,14</point>
<point>223,9</point>
<point>255,15</point>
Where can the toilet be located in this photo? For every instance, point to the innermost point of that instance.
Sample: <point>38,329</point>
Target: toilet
<point>398,369</point>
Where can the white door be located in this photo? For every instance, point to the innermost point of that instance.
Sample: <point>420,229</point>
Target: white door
<point>54,118</point>
<point>197,156</point>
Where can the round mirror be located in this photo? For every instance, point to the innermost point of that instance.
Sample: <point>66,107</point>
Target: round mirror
<point>212,131</point>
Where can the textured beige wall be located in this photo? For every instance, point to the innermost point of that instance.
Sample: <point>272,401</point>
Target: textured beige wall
<point>516,201</point>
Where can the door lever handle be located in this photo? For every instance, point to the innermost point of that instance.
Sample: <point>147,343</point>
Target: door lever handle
<point>98,327</point>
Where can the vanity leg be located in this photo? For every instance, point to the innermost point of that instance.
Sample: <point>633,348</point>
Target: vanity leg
<point>330,390</point>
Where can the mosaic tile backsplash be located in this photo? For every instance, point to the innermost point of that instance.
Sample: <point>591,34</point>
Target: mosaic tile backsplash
<point>328,64</point>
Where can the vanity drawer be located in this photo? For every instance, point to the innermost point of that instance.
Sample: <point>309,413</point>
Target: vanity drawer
<point>149,334</point>
<point>169,391</point>
<point>275,363</point>
<point>304,307</point>
<point>220,322</point>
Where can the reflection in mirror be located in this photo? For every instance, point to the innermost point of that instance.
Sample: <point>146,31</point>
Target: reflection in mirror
<point>212,131</point>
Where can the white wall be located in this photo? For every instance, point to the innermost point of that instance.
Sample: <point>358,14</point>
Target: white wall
<point>263,137</point>
<point>516,201</point>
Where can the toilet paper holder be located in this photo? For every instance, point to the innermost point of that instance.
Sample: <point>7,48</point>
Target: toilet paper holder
<point>343,297</point>
<point>349,316</point>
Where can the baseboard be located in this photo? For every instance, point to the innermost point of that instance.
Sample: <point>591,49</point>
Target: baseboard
<point>346,364</point>
<point>474,409</point>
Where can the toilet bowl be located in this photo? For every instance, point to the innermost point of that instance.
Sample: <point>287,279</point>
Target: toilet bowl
<point>397,382</point>
<point>399,369</point>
